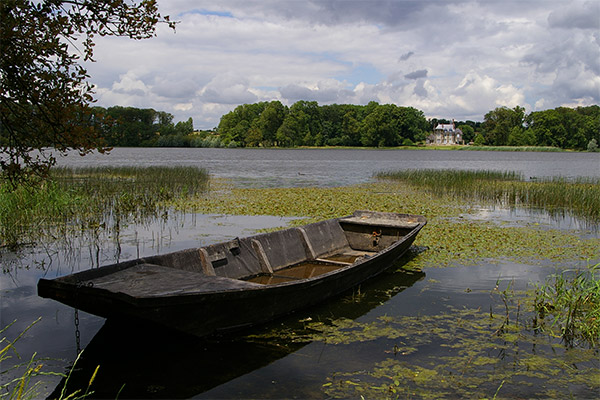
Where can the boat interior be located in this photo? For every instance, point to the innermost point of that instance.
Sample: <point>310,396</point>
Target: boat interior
<point>294,253</point>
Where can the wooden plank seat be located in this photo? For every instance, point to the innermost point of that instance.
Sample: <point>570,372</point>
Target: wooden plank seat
<point>346,257</point>
<point>381,222</point>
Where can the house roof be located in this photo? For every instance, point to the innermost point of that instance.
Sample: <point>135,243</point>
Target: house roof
<point>445,127</point>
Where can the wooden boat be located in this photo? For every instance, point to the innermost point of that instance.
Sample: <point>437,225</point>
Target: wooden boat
<point>245,281</point>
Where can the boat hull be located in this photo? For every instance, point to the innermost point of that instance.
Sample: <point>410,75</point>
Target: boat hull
<point>201,304</point>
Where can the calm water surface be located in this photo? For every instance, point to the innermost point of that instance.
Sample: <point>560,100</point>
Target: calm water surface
<point>338,167</point>
<point>156,364</point>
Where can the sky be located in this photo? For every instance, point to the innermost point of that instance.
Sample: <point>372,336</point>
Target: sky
<point>451,59</point>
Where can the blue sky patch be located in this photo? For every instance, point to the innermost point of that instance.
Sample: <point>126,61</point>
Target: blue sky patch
<point>366,73</point>
<point>225,14</point>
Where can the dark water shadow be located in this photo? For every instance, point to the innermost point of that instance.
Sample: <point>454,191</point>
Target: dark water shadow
<point>146,361</point>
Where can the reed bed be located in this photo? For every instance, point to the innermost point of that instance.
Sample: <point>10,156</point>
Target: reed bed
<point>579,196</point>
<point>90,198</point>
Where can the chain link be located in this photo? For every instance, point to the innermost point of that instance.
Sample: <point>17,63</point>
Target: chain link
<point>77,332</point>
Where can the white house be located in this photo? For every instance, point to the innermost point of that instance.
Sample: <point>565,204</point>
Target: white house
<point>445,134</point>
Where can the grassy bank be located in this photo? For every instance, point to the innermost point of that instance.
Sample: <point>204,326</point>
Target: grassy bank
<point>436,147</point>
<point>513,148</point>
<point>580,196</point>
<point>92,198</point>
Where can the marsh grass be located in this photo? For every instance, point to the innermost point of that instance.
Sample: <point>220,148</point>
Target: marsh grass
<point>570,301</point>
<point>28,375</point>
<point>579,196</point>
<point>92,198</point>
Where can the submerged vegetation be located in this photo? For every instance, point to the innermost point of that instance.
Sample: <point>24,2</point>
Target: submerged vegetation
<point>81,199</point>
<point>580,196</point>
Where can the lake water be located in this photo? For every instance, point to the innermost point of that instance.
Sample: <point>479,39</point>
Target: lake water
<point>155,364</point>
<point>338,167</point>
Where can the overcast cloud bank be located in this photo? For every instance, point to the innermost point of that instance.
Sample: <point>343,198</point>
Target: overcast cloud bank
<point>451,59</point>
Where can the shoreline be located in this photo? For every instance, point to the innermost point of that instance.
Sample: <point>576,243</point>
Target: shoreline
<point>416,147</point>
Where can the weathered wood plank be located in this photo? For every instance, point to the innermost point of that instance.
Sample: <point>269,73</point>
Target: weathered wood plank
<point>381,222</point>
<point>148,280</point>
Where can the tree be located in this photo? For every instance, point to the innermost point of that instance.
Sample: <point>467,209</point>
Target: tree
<point>185,128</point>
<point>412,124</point>
<point>479,140</point>
<point>499,123</point>
<point>519,136</point>
<point>381,128</point>
<point>133,126</point>
<point>308,117</point>
<point>468,132</point>
<point>351,127</point>
<point>235,126</point>
<point>564,127</point>
<point>294,131</point>
<point>44,93</point>
<point>269,121</point>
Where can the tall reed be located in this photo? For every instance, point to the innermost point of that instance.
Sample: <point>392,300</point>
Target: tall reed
<point>571,300</point>
<point>92,197</point>
<point>580,196</point>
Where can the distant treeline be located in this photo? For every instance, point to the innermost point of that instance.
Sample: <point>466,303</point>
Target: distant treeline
<point>562,127</point>
<point>386,125</point>
<point>305,123</point>
<point>136,127</point>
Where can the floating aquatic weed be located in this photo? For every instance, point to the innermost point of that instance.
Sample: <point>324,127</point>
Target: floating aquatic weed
<point>449,241</point>
<point>482,354</point>
<point>479,354</point>
<point>469,242</point>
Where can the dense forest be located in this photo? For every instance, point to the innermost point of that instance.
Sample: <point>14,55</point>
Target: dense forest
<point>305,123</point>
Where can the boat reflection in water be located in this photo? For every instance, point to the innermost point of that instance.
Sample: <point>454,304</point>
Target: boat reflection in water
<point>146,361</point>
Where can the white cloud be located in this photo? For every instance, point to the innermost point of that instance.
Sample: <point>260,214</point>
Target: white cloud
<point>129,84</point>
<point>228,88</point>
<point>183,106</point>
<point>328,91</point>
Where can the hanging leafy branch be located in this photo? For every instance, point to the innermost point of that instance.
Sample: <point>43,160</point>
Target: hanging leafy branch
<point>44,90</point>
